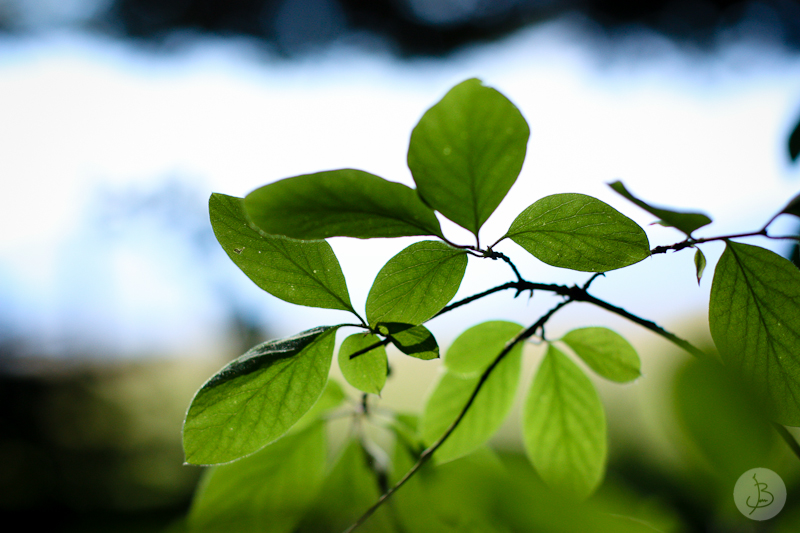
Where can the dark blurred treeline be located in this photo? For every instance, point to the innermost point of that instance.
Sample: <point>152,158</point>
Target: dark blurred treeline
<point>415,27</point>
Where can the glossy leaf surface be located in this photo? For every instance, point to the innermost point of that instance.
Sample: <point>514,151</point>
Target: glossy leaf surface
<point>475,349</point>
<point>467,151</point>
<point>579,232</point>
<point>274,486</point>
<point>564,427</point>
<point>416,341</point>
<point>303,273</point>
<point>485,415</point>
<point>606,352</point>
<point>416,284</point>
<point>256,398</point>
<point>339,203</point>
<point>683,221</point>
<point>366,371</point>
<point>754,314</point>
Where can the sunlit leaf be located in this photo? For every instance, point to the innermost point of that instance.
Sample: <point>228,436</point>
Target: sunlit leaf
<point>477,347</point>
<point>467,151</point>
<point>366,371</point>
<point>416,283</point>
<point>485,415</point>
<point>415,341</point>
<point>267,491</point>
<point>579,232</point>
<point>606,352</point>
<point>332,397</point>
<point>339,203</point>
<point>256,398</point>
<point>304,273</point>
<point>754,314</point>
<point>564,427</point>
<point>683,221</point>
<point>699,264</point>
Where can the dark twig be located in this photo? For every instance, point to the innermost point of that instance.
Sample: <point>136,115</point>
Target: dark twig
<point>362,351</point>
<point>788,438</point>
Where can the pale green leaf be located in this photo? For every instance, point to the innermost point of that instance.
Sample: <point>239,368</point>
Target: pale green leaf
<point>485,415</point>
<point>340,203</point>
<point>683,221</point>
<point>267,491</point>
<point>564,427</point>
<point>475,349</point>
<point>366,371</point>
<point>256,398</point>
<point>467,151</point>
<point>304,273</point>
<point>416,341</point>
<point>579,232</point>
<point>332,397</point>
<point>699,264</point>
<point>754,314</point>
<point>606,352</point>
<point>416,284</point>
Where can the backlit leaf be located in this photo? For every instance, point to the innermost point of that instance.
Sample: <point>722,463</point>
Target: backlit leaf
<point>606,352</point>
<point>304,273</point>
<point>256,398</point>
<point>415,341</point>
<point>754,314</point>
<point>366,371</point>
<point>339,203</point>
<point>579,232</point>
<point>475,349</point>
<point>467,151</point>
<point>416,284</point>
<point>699,264</point>
<point>274,486</point>
<point>485,415</point>
<point>564,427</point>
<point>683,221</point>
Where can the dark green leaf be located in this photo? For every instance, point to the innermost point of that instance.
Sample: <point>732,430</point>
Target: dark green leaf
<point>467,151</point>
<point>416,284</point>
<point>699,264</point>
<point>793,207</point>
<point>339,203</point>
<point>579,232</point>
<point>304,273</point>
<point>256,398</point>
<point>564,427</point>
<point>475,349</point>
<point>794,142</point>
<point>485,415</point>
<point>685,222</point>
<point>415,341</point>
<point>754,314</point>
<point>367,371</point>
<point>606,352</point>
<point>274,486</point>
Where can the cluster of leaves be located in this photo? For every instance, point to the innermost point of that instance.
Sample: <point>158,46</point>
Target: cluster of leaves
<point>265,410</point>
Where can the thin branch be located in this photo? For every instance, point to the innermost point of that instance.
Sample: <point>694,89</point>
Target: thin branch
<point>428,453</point>
<point>788,438</point>
<point>362,351</point>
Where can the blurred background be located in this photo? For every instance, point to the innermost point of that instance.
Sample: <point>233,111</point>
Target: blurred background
<point>118,118</point>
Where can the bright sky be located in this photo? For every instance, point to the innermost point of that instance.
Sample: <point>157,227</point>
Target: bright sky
<point>80,114</point>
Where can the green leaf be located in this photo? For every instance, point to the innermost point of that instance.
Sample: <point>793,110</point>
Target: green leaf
<point>367,371</point>
<point>606,352</point>
<point>467,151</point>
<point>683,221</point>
<point>485,415</point>
<point>794,142</point>
<point>415,341</point>
<point>340,203</point>
<point>699,264</point>
<point>475,349</point>
<point>416,284</point>
<point>349,489</point>
<point>754,314</point>
<point>332,397</point>
<point>274,486</point>
<point>564,427</point>
<point>304,273</point>
<point>256,398</point>
<point>579,232</point>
